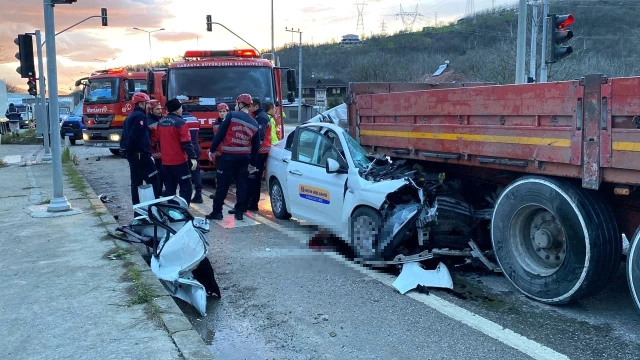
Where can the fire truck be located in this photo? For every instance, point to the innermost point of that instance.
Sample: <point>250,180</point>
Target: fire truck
<point>204,79</point>
<point>107,102</point>
<point>548,172</point>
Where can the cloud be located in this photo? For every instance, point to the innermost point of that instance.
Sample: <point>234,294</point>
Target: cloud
<point>315,9</point>
<point>174,36</point>
<point>82,46</point>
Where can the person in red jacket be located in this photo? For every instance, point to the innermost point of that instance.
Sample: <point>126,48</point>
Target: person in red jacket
<point>264,132</point>
<point>176,149</point>
<point>238,140</point>
<point>223,110</point>
<point>154,116</point>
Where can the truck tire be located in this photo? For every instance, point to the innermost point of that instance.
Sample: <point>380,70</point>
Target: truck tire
<point>278,204</point>
<point>115,151</point>
<point>365,225</point>
<point>555,242</point>
<point>633,269</point>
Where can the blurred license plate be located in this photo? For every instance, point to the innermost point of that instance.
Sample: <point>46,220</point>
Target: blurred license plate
<point>69,134</point>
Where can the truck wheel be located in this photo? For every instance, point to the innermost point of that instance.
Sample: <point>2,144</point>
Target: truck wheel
<point>555,242</point>
<point>278,204</point>
<point>365,226</point>
<point>115,151</point>
<point>633,269</point>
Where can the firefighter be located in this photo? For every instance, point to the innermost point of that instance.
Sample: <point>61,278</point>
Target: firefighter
<point>254,184</point>
<point>194,129</point>
<point>270,109</point>
<point>223,110</point>
<point>239,144</point>
<point>178,155</point>
<point>154,116</point>
<point>14,117</point>
<point>138,148</point>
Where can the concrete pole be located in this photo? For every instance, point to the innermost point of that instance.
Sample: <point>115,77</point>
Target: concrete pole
<point>543,62</point>
<point>42,113</point>
<point>149,49</point>
<point>59,201</point>
<point>300,80</point>
<point>534,40</point>
<point>522,42</point>
<point>273,43</point>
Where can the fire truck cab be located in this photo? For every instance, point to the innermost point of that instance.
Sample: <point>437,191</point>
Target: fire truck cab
<point>107,102</point>
<point>204,79</point>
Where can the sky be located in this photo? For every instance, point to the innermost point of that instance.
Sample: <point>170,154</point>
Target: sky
<point>90,46</point>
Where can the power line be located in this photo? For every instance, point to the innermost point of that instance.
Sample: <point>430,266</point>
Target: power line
<point>408,18</point>
<point>470,9</point>
<point>383,28</point>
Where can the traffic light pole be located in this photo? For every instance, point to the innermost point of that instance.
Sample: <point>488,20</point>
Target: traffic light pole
<point>42,109</point>
<point>299,74</point>
<point>534,40</point>
<point>545,41</point>
<point>59,201</point>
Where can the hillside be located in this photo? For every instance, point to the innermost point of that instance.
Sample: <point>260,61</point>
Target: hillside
<point>483,48</point>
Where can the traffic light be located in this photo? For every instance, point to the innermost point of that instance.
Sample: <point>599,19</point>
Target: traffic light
<point>104,17</point>
<point>560,34</point>
<point>209,25</point>
<point>33,90</point>
<point>25,55</point>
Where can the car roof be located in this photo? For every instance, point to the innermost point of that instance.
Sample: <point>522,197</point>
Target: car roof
<point>322,125</point>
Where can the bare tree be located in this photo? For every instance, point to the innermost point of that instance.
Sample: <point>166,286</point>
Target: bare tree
<point>12,88</point>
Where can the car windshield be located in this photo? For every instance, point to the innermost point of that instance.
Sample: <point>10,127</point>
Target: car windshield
<point>358,154</point>
<point>213,85</point>
<point>102,91</point>
<point>78,110</point>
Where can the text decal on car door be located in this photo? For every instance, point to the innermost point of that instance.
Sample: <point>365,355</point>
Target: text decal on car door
<point>314,194</point>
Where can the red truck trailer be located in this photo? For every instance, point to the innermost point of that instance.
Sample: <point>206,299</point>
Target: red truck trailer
<point>555,162</point>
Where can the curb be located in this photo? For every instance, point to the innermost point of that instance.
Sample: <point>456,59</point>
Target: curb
<point>186,339</point>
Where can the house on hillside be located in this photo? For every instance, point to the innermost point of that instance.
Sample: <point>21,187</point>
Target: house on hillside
<point>350,39</point>
<point>336,88</point>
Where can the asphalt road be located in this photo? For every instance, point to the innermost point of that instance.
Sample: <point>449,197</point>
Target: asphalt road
<point>282,300</point>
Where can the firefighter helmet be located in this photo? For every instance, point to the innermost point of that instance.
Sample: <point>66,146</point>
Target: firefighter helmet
<point>140,97</point>
<point>245,99</point>
<point>223,106</point>
<point>153,103</point>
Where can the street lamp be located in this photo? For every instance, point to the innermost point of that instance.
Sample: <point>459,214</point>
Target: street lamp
<point>104,61</point>
<point>148,32</point>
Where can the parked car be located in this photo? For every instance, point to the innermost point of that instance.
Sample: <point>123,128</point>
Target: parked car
<point>72,125</point>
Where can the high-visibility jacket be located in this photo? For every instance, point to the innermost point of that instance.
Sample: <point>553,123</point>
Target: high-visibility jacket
<point>274,132</point>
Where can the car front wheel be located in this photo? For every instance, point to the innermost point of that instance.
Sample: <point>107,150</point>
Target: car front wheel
<point>365,226</point>
<point>278,204</point>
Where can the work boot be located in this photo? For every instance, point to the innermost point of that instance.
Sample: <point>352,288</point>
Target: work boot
<point>252,208</point>
<point>233,211</point>
<point>239,216</point>
<point>197,198</point>
<point>214,216</point>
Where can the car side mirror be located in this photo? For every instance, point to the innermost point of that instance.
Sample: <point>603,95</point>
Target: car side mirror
<point>277,103</point>
<point>333,167</point>
<point>291,98</point>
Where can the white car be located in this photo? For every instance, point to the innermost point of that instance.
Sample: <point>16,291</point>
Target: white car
<point>314,175</point>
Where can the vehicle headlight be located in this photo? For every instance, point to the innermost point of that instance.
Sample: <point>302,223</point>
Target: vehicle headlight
<point>85,137</point>
<point>114,137</point>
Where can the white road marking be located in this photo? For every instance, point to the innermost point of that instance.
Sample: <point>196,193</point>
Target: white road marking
<point>228,221</point>
<point>455,312</point>
<point>12,159</point>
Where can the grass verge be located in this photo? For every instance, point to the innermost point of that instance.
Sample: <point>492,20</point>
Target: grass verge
<point>76,179</point>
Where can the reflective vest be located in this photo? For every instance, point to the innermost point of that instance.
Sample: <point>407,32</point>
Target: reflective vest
<point>242,128</point>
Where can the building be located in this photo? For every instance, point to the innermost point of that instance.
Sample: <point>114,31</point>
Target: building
<point>350,39</point>
<point>336,88</point>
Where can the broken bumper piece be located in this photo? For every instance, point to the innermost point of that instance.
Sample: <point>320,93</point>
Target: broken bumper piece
<point>413,274</point>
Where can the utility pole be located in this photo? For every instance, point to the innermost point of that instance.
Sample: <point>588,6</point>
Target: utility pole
<point>273,43</point>
<point>534,39</point>
<point>299,73</point>
<point>149,32</point>
<point>59,201</point>
<point>543,62</point>
<point>522,42</point>
<point>42,108</point>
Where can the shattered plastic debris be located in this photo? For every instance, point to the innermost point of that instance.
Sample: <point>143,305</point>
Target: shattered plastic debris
<point>105,199</point>
<point>413,274</point>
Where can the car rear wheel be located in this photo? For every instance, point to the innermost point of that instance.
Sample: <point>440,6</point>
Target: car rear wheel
<point>115,151</point>
<point>555,242</point>
<point>278,204</point>
<point>365,226</point>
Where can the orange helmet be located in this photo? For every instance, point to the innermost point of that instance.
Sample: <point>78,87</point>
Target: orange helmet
<point>223,106</point>
<point>244,98</point>
<point>140,97</point>
<point>154,103</point>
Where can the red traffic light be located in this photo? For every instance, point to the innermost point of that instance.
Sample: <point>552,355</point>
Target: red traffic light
<point>564,21</point>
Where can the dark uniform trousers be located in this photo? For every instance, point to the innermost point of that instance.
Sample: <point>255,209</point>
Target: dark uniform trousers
<point>231,167</point>
<point>255,182</point>
<point>143,169</point>
<point>178,175</point>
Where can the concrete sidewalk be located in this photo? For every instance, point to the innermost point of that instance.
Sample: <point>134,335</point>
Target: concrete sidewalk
<point>69,290</point>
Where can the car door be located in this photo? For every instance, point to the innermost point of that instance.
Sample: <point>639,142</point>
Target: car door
<point>314,195</point>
